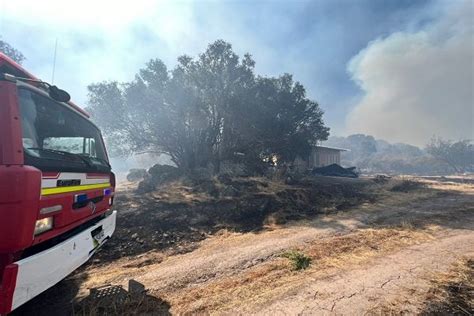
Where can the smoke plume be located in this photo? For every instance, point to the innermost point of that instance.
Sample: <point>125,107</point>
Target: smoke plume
<point>418,84</point>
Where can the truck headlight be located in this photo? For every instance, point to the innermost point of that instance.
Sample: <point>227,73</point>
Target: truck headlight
<point>43,225</point>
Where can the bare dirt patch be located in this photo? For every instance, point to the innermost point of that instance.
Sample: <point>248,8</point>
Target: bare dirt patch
<point>277,275</point>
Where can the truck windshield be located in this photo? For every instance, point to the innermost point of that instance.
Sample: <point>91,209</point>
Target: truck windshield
<point>56,138</point>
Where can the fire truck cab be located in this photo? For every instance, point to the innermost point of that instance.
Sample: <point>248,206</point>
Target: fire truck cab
<point>56,186</point>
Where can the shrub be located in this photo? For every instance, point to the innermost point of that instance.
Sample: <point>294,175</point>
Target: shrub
<point>136,174</point>
<point>407,186</point>
<point>299,260</point>
<point>158,175</point>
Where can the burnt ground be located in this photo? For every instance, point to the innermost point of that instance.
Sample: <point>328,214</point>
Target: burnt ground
<point>217,247</point>
<point>175,217</point>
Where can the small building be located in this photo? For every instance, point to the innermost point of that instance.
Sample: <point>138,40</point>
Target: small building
<point>320,156</point>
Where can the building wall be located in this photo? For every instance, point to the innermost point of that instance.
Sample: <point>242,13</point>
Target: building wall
<point>321,157</point>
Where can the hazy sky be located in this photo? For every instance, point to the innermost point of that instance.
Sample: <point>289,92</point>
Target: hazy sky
<point>399,70</point>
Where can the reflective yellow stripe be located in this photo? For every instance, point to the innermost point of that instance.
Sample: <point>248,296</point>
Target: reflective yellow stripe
<point>49,191</point>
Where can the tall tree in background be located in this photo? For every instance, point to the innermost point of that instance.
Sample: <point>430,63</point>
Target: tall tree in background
<point>458,155</point>
<point>287,123</point>
<point>208,110</point>
<point>11,52</point>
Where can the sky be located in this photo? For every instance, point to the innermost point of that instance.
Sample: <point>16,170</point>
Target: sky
<point>398,70</point>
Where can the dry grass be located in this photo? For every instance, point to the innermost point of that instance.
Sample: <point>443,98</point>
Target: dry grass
<point>362,245</point>
<point>277,276</point>
<point>462,185</point>
<point>453,292</point>
<point>123,305</point>
<point>180,192</point>
<point>407,186</point>
<point>461,188</point>
<point>176,192</point>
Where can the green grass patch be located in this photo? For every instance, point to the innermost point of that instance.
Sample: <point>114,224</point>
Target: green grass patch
<point>299,260</point>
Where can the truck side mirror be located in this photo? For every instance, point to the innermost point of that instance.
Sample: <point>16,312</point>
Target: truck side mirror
<point>58,94</point>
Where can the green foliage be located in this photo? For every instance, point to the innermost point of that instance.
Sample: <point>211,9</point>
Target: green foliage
<point>11,52</point>
<point>208,110</point>
<point>298,260</point>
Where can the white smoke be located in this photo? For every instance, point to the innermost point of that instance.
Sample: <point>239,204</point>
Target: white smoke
<point>418,84</point>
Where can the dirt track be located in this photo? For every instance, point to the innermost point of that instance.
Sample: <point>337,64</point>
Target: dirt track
<point>364,260</point>
<point>400,278</point>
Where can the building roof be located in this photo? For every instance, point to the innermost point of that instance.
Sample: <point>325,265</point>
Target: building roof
<point>332,148</point>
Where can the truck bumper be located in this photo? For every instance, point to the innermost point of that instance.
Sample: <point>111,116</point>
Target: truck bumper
<point>25,279</point>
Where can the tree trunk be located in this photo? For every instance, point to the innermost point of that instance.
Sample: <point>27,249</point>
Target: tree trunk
<point>452,165</point>
<point>217,165</point>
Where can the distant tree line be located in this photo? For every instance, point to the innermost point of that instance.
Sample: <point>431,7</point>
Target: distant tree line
<point>458,155</point>
<point>208,110</point>
<point>378,156</point>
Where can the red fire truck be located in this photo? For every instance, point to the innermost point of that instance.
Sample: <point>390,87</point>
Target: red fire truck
<point>56,186</point>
